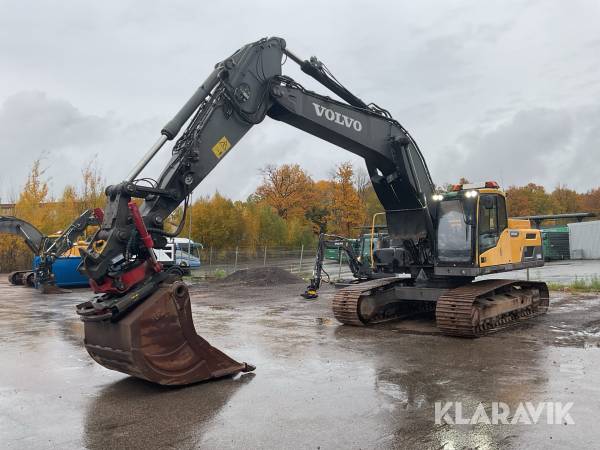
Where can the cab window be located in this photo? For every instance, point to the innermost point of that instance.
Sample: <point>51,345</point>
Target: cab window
<point>454,232</point>
<point>489,224</point>
<point>502,216</point>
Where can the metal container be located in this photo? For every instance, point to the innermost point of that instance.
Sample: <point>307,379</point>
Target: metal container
<point>555,243</point>
<point>584,240</point>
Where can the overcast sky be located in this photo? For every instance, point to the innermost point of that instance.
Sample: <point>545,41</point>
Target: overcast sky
<point>503,90</point>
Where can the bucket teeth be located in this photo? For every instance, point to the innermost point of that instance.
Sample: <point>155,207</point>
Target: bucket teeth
<point>157,341</point>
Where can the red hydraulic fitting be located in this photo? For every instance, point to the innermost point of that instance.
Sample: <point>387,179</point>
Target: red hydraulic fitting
<point>144,235</point>
<point>99,214</point>
<point>140,226</point>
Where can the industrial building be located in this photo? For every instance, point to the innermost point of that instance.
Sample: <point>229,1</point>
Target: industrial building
<point>584,240</point>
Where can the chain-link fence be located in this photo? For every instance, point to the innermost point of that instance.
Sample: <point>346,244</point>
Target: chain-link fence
<point>298,260</point>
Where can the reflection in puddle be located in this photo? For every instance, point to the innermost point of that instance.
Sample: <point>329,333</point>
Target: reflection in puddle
<point>133,411</point>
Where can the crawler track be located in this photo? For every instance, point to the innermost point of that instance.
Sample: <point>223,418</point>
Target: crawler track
<point>347,302</point>
<point>472,310</point>
<point>465,311</point>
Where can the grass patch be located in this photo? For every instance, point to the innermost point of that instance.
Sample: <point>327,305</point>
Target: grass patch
<point>220,274</point>
<point>579,285</point>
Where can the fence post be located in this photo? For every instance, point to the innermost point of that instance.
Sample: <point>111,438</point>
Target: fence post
<point>265,257</point>
<point>340,267</point>
<point>236,258</point>
<point>210,260</point>
<point>528,274</point>
<point>301,256</point>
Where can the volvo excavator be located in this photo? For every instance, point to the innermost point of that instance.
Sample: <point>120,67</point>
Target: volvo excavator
<point>139,322</point>
<point>48,248</point>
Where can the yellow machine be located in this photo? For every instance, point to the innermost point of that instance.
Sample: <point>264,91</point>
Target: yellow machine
<point>479,232</point>
<point>62,247</point>
<point>473,237</point>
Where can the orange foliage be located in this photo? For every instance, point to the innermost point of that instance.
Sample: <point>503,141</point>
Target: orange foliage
<point>288,189</point>
<point>287,209</point>
<point>47,214</point>
<point>347,210</point>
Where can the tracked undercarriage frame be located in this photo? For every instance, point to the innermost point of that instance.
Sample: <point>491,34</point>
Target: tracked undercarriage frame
<point>469,310</point>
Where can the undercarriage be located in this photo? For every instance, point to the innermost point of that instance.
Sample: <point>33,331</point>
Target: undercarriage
<point>469,310</point>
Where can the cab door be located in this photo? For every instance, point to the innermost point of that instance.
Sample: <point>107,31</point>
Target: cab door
<point>492,231</point>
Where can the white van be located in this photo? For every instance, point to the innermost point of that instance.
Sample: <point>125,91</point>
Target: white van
<point>181,256</point>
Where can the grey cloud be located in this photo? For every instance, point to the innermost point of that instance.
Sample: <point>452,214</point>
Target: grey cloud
<point>544,146</point>
<point>33,125</point>
<point>583,169</point>
<point>455,75</point>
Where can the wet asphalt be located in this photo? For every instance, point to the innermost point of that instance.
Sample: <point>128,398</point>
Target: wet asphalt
<point>317,384</point>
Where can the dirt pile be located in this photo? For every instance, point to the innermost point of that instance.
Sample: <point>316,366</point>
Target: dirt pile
<point>262,276</point>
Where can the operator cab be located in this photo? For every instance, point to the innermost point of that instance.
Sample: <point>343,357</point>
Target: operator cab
<point>471,219</point>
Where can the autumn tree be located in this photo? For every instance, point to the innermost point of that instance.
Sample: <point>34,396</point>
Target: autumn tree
<point>262,225</point>
<point>30,206</point>
<point>69,207</point>
<point>347,211</point>
<point>288,189</point>
<point>31,203</point>
<point>318,212</point>
<point>299,232</point>
<point>361,182</point>
<point>528,200</point>
<point>217,222</point>
<point>565,200</point>
<point>590,201</point>
<point>92,186</point>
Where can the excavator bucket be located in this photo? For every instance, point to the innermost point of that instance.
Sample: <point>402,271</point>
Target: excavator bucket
<point>157,341</point>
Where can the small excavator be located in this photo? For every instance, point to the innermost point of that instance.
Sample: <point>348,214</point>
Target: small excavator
<point>358,258</point>
<point>48,248</point>
<point>140,323</point>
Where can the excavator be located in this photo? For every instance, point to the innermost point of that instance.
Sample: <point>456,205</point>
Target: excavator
<point>48,248</point>
<point>353,251</point>
<point>139,322</point>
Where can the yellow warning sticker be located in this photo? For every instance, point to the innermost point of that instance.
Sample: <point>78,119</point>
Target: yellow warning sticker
<point>221,147</point>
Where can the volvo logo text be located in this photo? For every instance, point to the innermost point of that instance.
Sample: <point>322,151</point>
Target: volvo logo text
<point>339,118</point>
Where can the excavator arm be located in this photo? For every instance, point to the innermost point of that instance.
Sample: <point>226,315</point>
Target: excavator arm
<point>128,322</point>
<point>241,92</point>
<point>343,245</point>
<point>32,237</point>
